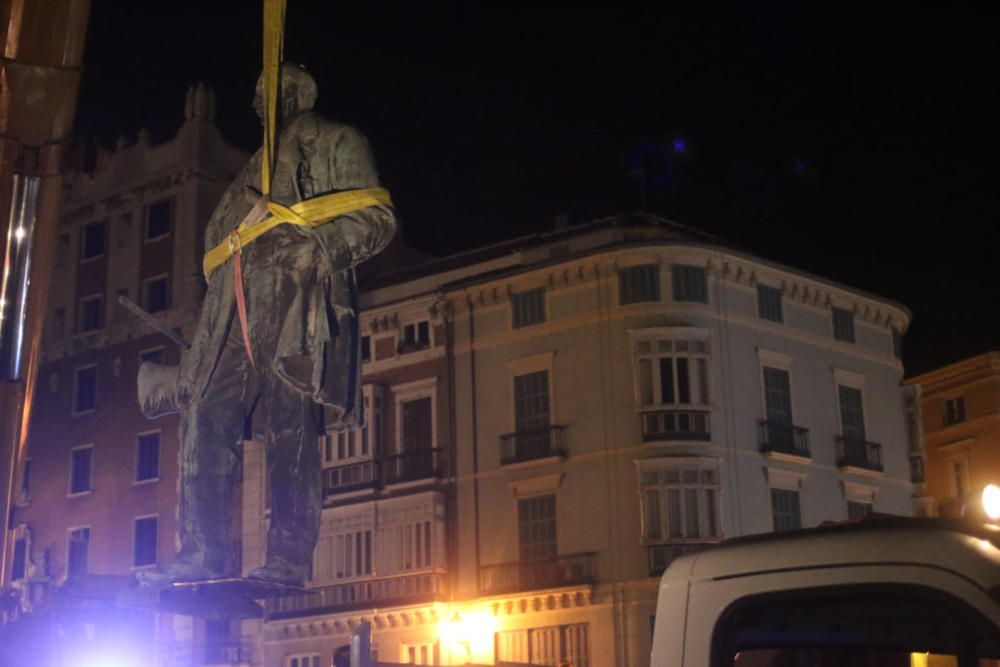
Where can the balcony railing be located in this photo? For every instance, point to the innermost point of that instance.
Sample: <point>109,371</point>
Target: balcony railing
<point>570,570</point>
<point>381,592</point>
<point>784,438</point>
<point>351,477</point>
<point>534,444</point>
<point>856,453</point>
<point>662,555</point>
<point>675,425</point>
<point>413,465</point>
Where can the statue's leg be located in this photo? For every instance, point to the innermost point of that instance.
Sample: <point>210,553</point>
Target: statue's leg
<point>293,467</point>
<point>211,430</point>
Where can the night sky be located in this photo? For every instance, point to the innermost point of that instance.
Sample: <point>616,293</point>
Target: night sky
<point>858,147</point>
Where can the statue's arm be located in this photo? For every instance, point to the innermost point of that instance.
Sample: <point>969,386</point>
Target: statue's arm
<point>351,239</point>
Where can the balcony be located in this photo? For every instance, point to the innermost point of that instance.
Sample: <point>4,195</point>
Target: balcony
<point>783,438</point>
<point>351,477</point>
<point>223,652</point>
<point>570,570</point>
<point>362,594</point>
<point>662,555</point>
<point>538,443</point>
<point>675,425</point>
<point>413,465</point>
<point>856,453</point>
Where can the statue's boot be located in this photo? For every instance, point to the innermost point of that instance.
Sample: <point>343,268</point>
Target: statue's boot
<point>279,572</point>
<point>178,571</point>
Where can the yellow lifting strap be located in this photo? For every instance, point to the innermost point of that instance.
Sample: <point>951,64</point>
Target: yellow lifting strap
<point>308,213</point>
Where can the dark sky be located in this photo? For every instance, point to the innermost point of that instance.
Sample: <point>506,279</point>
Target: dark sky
<point>859,147</point>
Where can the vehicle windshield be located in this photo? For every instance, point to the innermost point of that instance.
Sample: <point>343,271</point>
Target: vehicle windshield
<point>852,657</point>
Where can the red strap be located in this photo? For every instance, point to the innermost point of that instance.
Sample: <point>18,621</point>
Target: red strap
<point>241,300</point>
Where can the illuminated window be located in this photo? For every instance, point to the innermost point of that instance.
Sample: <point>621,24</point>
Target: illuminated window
<point>90,315</point>
<point>769,305</point>
<point>93,241</point>
<point>527,308</point>
<point>77,551</point>
<point>147,457</point>
<point>536,527</point>
<point>420,653</point>
<point>156,294</point>
<point>81,473</point>
<point>785,510</point>
<point>85,389</point>
<point>690,283</point>
<point>638,284</point>
<point>843,324</point>
<point>144,547</point>
<point>158,220</point>
<point>561,644</point>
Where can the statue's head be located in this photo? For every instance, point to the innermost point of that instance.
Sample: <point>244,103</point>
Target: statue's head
<point>298,91</point>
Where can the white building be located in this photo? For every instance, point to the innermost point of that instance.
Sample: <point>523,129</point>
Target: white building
<point>579,408</point>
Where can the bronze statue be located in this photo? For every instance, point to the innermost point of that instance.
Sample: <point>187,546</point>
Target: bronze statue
<point>302,332</point>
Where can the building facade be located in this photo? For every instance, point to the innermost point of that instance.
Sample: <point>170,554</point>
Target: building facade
<point>959,432</point>
<point>97,493</point>
<point>605,398</point>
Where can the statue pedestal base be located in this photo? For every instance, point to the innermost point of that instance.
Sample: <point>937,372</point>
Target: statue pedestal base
<point>229,597</point>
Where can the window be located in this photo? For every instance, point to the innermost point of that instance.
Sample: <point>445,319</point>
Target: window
<point>85,389</point>
<point>420,653</point>
<point>672,381</point>
<point>25,481</point>
<point>157,219</point>
<point>857,509</point>
<point>416,336</point>
<point>147,457</point>
<point>561,644</point>
<point>81,468</point>
<point>418,433</point>
<point>366,349</point>
<point>357,443</point>
<point>528,308</point>
<point>638,284</point>
<point>680,503</point>
<point>62,251</point>
<point>690,283</point>
<point>90,316</point>
<point>778,396</point>
<point>144,549</point>
<point>354,554</point>
<point>843,325</point>
<point>852,414</point>
<point>154,355</point>
<point>536,527</point>
<point>954,410</point>
<point>785,510</point>
<point>531,402</point>
<point>769,305</point>
<point>20,564</point>
<point>156,294</point>
<point>77,551</point>
<point>897,343</point>
<point>959,471</point>
<point>93,243</point>
<point>309,660</point>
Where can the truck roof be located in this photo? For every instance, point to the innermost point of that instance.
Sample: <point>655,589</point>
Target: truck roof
<point>970,549</point>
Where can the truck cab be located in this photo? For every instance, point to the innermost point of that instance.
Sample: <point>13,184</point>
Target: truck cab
<point>881,591</point>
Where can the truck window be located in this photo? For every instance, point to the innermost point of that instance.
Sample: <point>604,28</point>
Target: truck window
<point>868,626</point>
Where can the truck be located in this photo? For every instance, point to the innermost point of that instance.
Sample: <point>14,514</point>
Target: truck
<point>885,591</point>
